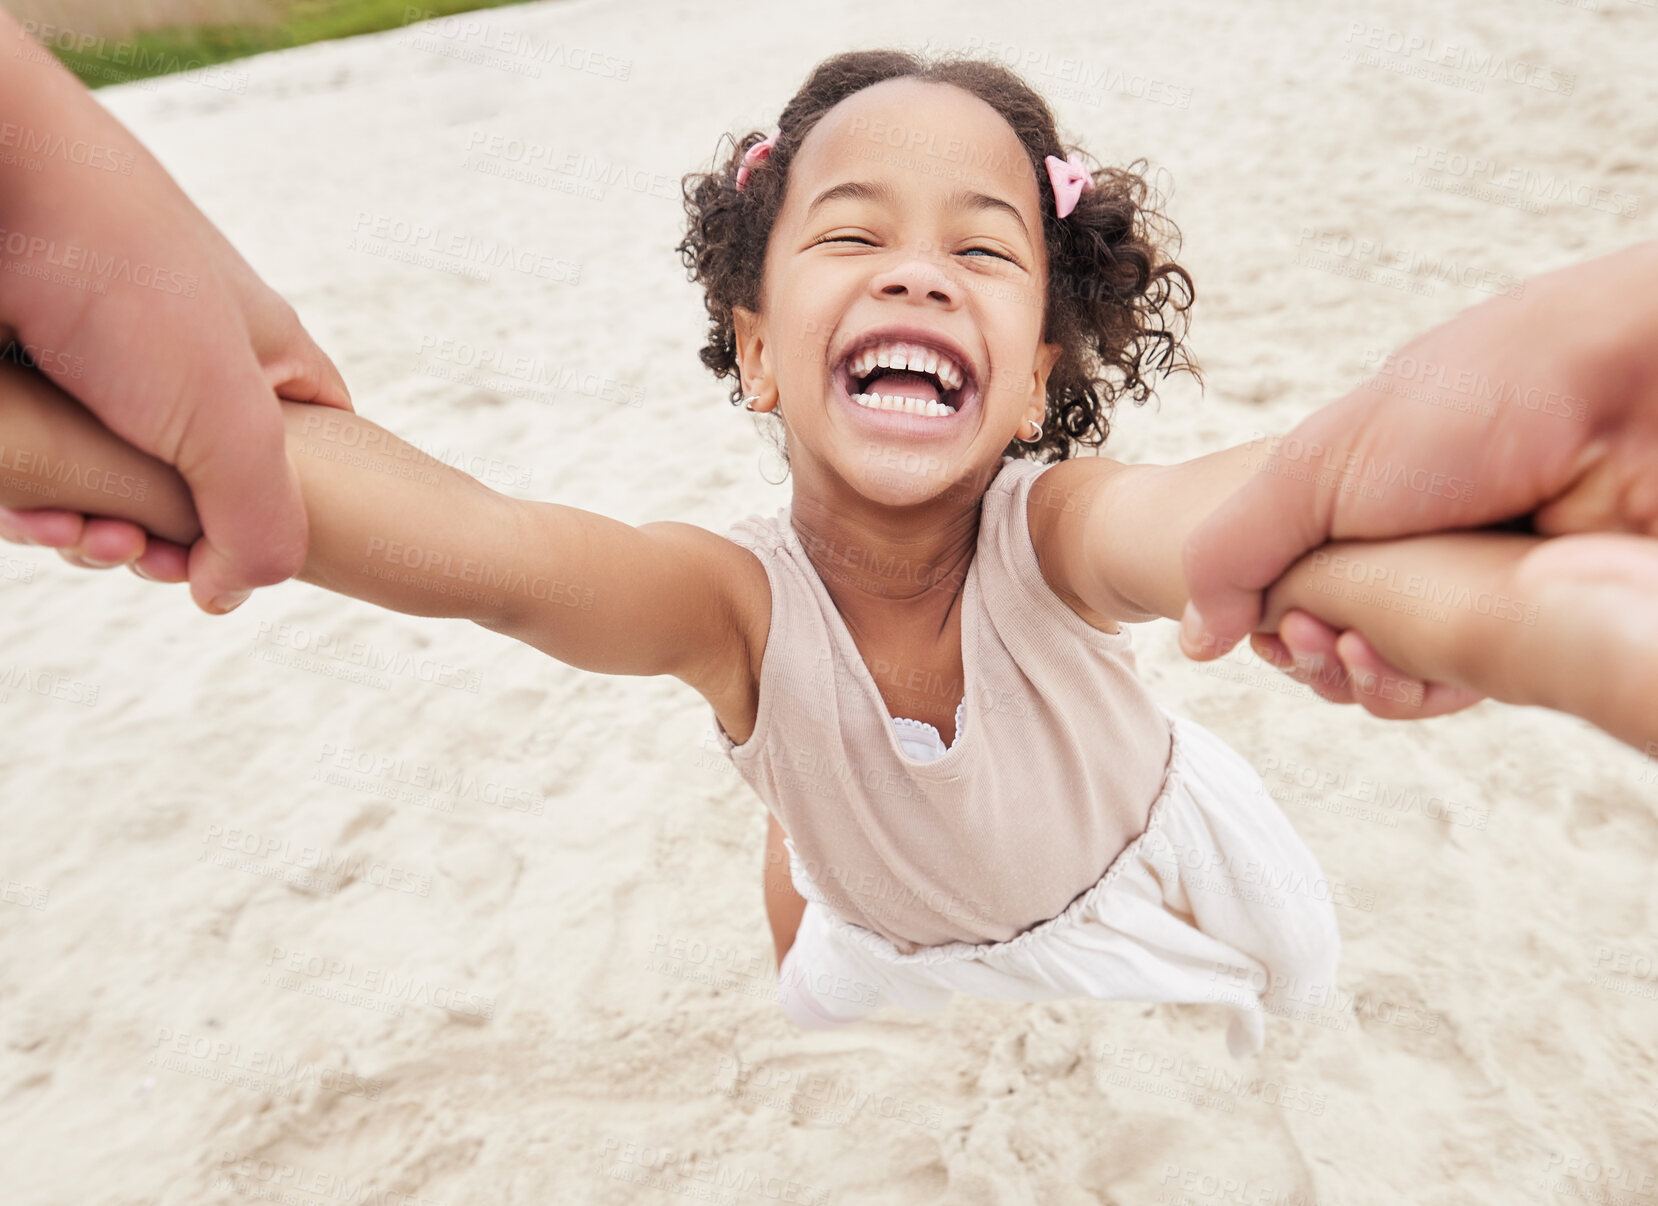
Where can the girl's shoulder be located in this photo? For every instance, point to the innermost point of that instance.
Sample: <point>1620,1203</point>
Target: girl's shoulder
<point>1025,508</point>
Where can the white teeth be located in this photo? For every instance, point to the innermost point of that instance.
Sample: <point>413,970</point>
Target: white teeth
<point>913,406</point>
<point>909,357</point>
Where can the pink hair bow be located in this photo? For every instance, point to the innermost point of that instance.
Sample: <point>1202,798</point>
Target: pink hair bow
<point>757,153</point>
<point>1070,179</point>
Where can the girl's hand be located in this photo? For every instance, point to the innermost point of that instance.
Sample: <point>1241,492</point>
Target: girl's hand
<point>92,542</point>
<point>1343,667</point>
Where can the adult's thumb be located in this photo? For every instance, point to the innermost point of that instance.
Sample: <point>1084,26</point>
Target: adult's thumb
<point>246,495</point>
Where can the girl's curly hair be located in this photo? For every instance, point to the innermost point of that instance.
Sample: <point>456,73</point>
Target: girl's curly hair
<point>1116,303</point>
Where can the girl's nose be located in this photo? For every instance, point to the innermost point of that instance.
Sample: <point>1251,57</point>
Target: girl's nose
<point>919,278</point>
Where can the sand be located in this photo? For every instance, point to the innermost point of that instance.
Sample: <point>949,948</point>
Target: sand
<point>317,903</point>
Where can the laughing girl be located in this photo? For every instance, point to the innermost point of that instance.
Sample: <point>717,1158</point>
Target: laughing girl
<point>920,663</point>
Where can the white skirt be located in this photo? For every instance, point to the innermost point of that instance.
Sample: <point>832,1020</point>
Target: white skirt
<point>1218,901</point>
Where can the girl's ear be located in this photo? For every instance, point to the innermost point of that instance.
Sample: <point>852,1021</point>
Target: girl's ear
<point>745,326</point>
<point>1046,357</point>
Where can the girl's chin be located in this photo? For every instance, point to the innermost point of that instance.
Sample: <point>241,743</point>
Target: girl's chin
<point>907,477</point>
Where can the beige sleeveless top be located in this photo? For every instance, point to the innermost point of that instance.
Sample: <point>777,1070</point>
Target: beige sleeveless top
<point>1058,756</point>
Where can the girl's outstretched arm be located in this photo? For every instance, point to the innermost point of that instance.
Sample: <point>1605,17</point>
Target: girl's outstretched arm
<point>1110,535</point>
<point>393,526</point>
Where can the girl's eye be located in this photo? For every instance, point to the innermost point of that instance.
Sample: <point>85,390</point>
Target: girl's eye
<point>990,251</point>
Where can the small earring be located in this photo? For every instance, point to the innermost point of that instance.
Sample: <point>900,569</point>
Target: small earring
<point>1035,438</point>
<point>748,402</point>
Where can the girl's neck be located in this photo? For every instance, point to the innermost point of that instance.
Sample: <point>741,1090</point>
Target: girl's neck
<point>889,571</point>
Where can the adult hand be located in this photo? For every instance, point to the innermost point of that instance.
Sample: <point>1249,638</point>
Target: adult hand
<point>118,288</point>
<point>1544,404</point>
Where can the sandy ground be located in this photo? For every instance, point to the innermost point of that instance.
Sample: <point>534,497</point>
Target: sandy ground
<point>533,966</point>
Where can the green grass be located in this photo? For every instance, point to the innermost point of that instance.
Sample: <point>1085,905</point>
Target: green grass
<point>155,52</point>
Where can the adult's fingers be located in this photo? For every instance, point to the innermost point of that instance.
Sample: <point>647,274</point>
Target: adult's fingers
<point>105,543</point>
<point>162,561</point>
<point>93,542</point>
<point>88,541</point>
<point>1343,667</point>
<point>51,528</point>
<point>1383,690</point>
<point>1311,644</point>
<point>1312,661</point>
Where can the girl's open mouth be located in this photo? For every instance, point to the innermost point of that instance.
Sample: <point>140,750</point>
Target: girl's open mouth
<point>906,386</point>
